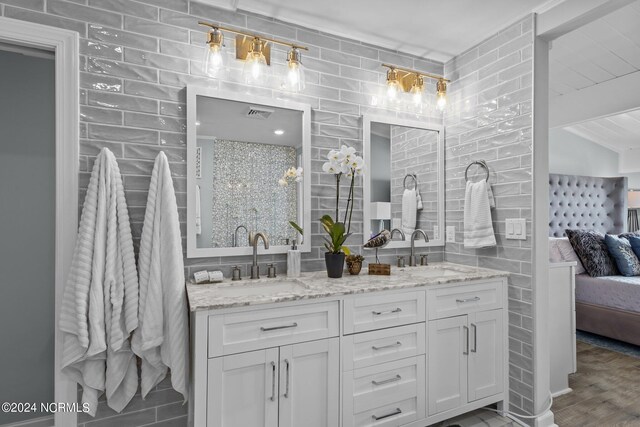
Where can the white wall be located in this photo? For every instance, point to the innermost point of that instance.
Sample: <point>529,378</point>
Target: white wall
<point>573,155</point>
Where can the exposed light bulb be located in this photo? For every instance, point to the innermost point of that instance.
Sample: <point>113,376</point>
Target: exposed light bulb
<point>255,66</point>
<point>417,89</point>
<point>393,85</point>
<point>441,87</point>
<point>442,102</point>
<point>214,61</point>
<point>295,81</point>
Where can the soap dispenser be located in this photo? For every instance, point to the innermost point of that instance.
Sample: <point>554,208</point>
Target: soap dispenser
<point>293,260</point>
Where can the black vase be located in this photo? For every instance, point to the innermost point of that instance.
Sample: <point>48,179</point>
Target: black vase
<point>335,264</point>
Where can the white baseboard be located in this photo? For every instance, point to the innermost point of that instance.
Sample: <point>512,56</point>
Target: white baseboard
<point>561,392</point>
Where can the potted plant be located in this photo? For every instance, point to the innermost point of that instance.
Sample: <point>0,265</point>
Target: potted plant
<point>354,264</point>
<point>340,162</point>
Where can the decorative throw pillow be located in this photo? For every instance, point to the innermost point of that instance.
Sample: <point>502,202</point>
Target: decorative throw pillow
<point>629,234</point>
<point>626,260</point>
<point>567,254</point>
<point>592,251</point>
<point>634,241</point>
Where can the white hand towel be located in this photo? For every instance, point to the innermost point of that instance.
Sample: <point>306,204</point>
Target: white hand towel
<point>418,201</point>
<point>409,211</point>
<point>478,228</point>
<point>198,213</point>
<point>162,340</point>
<point>100,302</point>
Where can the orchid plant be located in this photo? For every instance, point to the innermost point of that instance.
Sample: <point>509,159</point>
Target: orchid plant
<point>341,162</point>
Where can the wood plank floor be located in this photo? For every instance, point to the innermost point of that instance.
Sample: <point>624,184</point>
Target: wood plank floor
<point>606,390</point>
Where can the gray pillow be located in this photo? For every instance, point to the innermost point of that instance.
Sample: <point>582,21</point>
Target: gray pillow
<point>593,252</point>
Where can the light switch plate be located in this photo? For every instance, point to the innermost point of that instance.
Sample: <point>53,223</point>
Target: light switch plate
<point>516,228</point>
<point>436,232</point>
<point>451,233</point>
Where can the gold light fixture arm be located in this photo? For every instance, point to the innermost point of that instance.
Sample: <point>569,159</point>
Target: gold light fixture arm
<point>416,72</point>
<point>253,36</point>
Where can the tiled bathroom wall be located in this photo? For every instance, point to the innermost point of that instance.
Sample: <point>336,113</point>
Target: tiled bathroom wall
<point>490,119</point>
<point>137,56</point>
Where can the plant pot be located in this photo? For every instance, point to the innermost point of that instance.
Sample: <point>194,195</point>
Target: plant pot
<point>354,267</point>
<point>335,264</point>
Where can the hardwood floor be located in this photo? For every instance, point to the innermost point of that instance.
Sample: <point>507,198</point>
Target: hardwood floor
<point>606,390</point>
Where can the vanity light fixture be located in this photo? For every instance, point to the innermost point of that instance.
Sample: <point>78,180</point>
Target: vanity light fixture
<point>412,81</point>
<point>214,61</point>
<point>256,52</point>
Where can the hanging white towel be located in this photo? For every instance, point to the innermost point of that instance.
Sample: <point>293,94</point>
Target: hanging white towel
<point>409,211</point>
<point>419,206</point>
<point>198,213</point>
<point>478,228</point>
<point>162,340</point>
<point>100,302</point>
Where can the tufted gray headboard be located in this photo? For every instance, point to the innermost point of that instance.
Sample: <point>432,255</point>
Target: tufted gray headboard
<point>587,202</point>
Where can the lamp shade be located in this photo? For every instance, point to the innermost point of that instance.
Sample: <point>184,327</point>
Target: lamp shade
<point>380,210</point>
<point>633,199</point>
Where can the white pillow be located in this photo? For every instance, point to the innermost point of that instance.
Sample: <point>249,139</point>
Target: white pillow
<point>566,252</point>
<point>554,252</point>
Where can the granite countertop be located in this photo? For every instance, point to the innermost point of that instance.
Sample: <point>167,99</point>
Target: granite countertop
<point>315,285</point>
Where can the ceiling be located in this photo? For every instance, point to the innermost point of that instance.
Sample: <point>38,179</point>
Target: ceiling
<point>438,30</point>
<point>618,133</point>
<point>223,119</point>
<point>602,50</point>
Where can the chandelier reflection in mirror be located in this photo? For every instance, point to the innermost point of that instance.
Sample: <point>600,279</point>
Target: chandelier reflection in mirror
<point>255,51</point>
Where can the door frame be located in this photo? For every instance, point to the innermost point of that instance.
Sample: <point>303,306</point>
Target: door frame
<point>65,45</point>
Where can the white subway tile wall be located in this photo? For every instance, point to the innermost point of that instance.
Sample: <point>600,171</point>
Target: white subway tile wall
<point>490,119</point>
<point>138,55</point>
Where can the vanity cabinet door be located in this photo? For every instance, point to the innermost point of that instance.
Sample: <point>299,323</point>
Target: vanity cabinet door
<point>448,346</point>
<point>309,384</point>
<point>242,390</point>
<point>486,354</point>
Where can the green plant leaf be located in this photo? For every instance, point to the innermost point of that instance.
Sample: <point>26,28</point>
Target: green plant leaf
<point>296,227</point>
<point>346,250</point>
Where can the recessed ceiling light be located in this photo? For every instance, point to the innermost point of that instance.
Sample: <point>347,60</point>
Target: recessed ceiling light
<point>278,131</point>
<point>197,123</point>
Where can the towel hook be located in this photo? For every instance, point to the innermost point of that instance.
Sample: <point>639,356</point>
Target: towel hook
<point>415,180</point>
<point>481,163</point>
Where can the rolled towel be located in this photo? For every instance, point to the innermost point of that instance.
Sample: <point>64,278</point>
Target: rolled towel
<point>216,276</point>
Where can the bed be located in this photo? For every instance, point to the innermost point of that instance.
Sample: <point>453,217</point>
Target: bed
<point>608,306</point>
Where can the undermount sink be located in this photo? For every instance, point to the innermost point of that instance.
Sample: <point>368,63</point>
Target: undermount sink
<point>247,288</point>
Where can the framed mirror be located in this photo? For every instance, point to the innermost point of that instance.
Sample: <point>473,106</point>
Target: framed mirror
<point>247,161</point>
<point>404,188</point>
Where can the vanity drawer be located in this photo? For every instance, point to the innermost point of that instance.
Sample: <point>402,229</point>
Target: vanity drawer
<point>367,313</point>
<point>251,330</point>
<point>462,299</point>
<point>390,394</point>
<point>385,345</point>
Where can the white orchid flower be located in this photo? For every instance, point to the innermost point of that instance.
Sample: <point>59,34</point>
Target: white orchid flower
<point>291,172</point>
<point>330,167</point>
<point>335,156</point>
<point>283,182</point>
<point>299,173</point>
